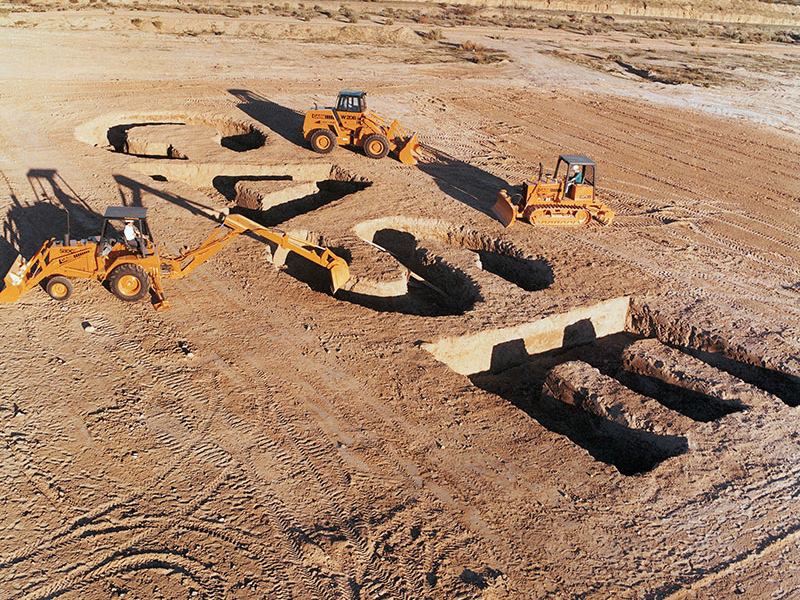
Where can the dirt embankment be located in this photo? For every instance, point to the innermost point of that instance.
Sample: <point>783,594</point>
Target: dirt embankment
<point>731,11</point>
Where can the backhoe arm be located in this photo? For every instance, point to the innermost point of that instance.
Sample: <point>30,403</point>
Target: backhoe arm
<point>235,225</point>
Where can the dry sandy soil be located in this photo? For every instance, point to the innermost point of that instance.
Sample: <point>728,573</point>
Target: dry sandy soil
<point>606,412</point>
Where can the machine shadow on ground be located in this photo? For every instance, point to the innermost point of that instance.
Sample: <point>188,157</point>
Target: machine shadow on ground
<point>284,121</point>
<point>58,210</point>
<point>462,181</point>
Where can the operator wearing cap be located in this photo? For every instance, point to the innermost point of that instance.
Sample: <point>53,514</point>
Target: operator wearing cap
<point>133,238</point>
<point>575,177</point>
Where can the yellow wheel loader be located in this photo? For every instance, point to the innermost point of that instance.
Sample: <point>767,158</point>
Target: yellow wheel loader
<point>132,266</point>
<point>565,197</point>
<point>349,123</point>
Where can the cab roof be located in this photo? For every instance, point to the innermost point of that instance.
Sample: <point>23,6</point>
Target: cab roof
<point>125,212</point>
<point>356,93</point>
<point>576,159</point>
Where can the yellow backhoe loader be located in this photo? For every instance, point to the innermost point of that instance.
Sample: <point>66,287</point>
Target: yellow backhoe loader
<point>565,197</point>
<point>349,123</point>
<point>132,265</point>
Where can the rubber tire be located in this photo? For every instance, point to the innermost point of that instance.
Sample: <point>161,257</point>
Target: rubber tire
<point>376,137</point>
<point>62,280</point>
<point>318,134</point>
<point>135,271</point>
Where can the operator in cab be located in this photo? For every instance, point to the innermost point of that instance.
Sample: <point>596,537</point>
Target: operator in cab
<point>133,237</point>
<point>575,177</point>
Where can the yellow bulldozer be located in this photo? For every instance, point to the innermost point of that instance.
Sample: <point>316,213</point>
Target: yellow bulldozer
<point>131,264</point>
<point>349,123</point>
<point>565,197</point>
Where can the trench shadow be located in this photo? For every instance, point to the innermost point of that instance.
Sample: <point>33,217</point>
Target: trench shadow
<point>117,135</point>
<point>328,191</point>
<point>462,181</point>
<point>284,121</point>
<point>454,292</point>
<point>519,378</point>
<point>782,385</point>
<point>695,405</point>
<point>226,184</point>
<point>443,292</point>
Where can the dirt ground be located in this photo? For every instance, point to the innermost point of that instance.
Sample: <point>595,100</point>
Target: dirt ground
<point>602,412</point>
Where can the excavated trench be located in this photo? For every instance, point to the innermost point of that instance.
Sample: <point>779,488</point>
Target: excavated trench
<point>631,451</point>
<point>690,383</point>
<point>245,141</point>
<point>226,185</point>
<point>169,139</point>
<point>284,198</point>
<point>439,283</point>
<point>531,275</point>
<point>695,405</point>
<point>436,288</point>
<point>782,385</point>
<point>118,139</point>
<point>494,255</point>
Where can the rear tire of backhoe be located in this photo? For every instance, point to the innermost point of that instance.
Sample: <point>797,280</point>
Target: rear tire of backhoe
<point>322,141</point>
<point>129,282</point>
<point>59,288</point>
<point>376,146</point>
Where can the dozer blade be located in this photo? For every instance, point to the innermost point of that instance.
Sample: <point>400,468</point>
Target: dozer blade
<point>504,209</point>
<point>407,153</point>
<point>12,282</point>
<point>340,274</point>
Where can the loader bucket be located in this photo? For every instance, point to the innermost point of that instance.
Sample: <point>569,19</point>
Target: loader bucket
<point>407,153</point>
<point>504,210</point>
<point>340,274</point>
<point>12,282</point>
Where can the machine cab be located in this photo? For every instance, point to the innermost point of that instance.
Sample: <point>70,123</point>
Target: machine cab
<point>578,173</point>
<point>120,222</point>
<point>351,101</point>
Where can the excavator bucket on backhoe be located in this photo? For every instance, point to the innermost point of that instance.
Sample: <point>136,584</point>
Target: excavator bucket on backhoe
<point>337,268</point>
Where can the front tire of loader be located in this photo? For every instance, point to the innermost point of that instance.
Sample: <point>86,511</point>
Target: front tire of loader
<point>322,141</point>
<point>129,282</point>
<point>59,288</point>
<point>376,146</point>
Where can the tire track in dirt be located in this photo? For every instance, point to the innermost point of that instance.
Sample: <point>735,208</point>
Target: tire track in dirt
<point>733,144</point>
<point>122,349</point>
<point>98,567</point>
<point>745,252</point>
<point>311,451</point>
<point>322,389</point>
<point>328,391</point>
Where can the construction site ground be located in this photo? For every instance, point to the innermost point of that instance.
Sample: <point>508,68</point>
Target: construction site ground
<point>601,412</point>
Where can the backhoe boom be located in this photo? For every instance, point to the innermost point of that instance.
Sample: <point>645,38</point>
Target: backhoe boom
<point>235,225</point>
<point>134,268</point>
